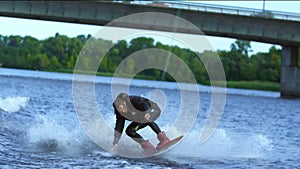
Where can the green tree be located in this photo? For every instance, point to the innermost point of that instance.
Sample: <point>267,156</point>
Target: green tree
<point>241,46</point>
<point>122,46</point>
<point>14,41</point>
<point>140,43</point>
<point>57,46</point>
<point>54,64</point>
<point>61,52</point>
<point>267,65</point>
<point>236,61</point>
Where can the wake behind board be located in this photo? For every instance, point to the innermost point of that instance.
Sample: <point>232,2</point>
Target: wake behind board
<point>171,143</point>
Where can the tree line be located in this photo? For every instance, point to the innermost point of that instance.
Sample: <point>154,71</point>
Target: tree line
<point>59,53</point>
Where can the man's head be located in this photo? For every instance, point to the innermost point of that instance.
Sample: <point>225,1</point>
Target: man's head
<point>140,103</point>
<point>121,104</point>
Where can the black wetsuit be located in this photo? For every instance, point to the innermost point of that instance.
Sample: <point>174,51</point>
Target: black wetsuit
<point>134,126</point>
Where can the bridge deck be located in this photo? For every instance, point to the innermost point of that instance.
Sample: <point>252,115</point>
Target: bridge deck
<point>225,9</point>
<point>251,25</point>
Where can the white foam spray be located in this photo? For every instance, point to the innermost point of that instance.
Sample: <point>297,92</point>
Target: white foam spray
<point>223,145</point>
<point>48,135</point>
<point>13,104</point>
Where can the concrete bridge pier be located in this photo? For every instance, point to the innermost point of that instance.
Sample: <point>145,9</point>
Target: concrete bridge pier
<point>290,72</point>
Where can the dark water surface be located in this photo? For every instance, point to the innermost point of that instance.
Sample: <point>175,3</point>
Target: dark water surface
<point>39,128</point>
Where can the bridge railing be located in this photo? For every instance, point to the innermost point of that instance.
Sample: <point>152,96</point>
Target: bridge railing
<point>223,9</point>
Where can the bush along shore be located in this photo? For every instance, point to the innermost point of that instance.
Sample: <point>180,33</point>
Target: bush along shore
<point>260,71</point>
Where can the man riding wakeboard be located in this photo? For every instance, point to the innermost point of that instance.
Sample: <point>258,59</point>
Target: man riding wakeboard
<point>142,112</point>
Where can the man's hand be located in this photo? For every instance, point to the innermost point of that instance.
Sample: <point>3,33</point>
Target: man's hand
<point>114,148</point>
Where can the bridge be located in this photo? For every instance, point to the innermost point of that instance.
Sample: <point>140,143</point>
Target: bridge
<point>241,23</point>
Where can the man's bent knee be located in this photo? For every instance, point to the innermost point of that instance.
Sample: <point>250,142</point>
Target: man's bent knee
<point>130,132</point>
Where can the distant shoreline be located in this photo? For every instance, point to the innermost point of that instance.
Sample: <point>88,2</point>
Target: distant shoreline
<point>251,85</point>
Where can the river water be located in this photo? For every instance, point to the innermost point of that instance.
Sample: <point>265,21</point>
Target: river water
<point>39,127</point>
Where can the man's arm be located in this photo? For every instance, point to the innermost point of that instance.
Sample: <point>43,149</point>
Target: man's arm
<point>119,127</point>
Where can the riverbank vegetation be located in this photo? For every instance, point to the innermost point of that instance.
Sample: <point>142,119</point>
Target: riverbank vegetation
<point>59,53</point>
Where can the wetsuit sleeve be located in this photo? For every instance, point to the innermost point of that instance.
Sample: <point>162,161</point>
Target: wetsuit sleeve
<point>119,127</point>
